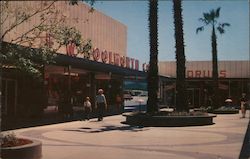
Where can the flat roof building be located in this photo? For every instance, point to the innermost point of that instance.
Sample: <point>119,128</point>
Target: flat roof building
<point>107,67</point>
<point>234,79</point>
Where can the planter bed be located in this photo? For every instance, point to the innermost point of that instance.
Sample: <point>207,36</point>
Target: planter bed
<point>30,149</point>
<point>226,111</point>
<point>142,119</point>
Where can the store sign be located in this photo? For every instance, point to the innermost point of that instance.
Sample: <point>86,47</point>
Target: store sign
<point>107,57</point>
<point>203,69</point>
<point>204,73</point>
<point>115,59</point>
<point>71,49</point>
<point>47,40</point>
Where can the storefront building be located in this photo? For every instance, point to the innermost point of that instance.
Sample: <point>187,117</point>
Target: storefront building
<point>107,67</point>
<point>234,79</point>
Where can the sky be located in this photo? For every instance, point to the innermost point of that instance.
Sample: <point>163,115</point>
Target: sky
<point>233,45</point>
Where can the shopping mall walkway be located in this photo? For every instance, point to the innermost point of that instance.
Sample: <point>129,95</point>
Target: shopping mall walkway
<point>109,139</point>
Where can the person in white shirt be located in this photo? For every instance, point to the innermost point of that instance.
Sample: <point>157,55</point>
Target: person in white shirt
<point>87,107</point>
<point>101,104</point>
<point>243,105</point>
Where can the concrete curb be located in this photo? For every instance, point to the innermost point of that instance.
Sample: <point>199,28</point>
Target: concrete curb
<point>29,151</point>
<point>168,121</point>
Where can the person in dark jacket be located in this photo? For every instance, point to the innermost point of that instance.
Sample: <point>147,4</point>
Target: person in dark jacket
<point>101,104</point>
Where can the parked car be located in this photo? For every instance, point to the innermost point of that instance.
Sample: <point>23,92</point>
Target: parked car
<point>127,95</point>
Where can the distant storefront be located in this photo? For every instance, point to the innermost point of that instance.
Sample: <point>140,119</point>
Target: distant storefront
<point>234,79</point>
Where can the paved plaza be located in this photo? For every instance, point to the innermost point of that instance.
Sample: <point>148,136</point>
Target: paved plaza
<point>109,139</point>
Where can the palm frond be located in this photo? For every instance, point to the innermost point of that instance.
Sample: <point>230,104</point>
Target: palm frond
<point>221,30</point>
<point>203,20</point>
<point>212,14</point>
<point>225,24</point>
<point>199,29</point>
<point>221,26</point>
<point>208,17</point>
<point>217,12</point>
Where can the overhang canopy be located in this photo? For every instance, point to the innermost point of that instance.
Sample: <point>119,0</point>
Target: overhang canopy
<point>81,63</point>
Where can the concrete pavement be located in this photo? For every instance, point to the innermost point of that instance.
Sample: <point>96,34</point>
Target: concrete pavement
<point>109,139</point>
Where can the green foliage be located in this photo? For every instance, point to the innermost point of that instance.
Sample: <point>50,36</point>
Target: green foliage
<point>8,138</point>
<point>90,2</point>
<point>26,59</point>
<point>185,113</point>
<point>85,49</point>
<point>75,2</point>
<point>63,35</point>
<point>211,18</point>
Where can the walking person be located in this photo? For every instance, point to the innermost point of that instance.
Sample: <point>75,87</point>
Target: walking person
<point>101,104</point>
<point>87,108</point>
<point>118,102</point>
<point>243,105</point>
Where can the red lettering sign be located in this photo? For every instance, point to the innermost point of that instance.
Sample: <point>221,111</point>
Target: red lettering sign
<point>198,73</point>
<point>190,74</point>
<point>223,74</point>
<point>127,62</point>
<point>206,73</point>
<point>110,58</point>
<point>132,63</point>
<point>70,49</point>
<point>117,59</point>
<point>203,74</point>
<point>104,56</point>
<point>122,61</point>
<point>96,54</point>
<point>136,64</point>
<point>47,39</point>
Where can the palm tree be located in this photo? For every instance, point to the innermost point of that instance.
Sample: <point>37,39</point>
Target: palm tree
<point>181,99</point>
<point>152,78</point>
<point>211,19</point>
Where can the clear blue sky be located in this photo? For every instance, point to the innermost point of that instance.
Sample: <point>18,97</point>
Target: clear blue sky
<point>233,45</point>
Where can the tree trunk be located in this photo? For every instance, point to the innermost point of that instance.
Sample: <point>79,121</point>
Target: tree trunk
<point>152,78</point>
<point>181,99</point>
<point>215,71</point>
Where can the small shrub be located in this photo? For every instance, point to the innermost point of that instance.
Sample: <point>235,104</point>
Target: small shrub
<point>194,113</point>
<point>10,140</point>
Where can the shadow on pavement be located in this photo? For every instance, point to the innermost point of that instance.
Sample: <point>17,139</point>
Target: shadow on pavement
<point>245,150</point>
<point>47,118</point>
<point>108,128</point>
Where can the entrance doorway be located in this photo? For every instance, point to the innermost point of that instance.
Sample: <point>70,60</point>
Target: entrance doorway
<point>9,97</point>
<point>194,97</point>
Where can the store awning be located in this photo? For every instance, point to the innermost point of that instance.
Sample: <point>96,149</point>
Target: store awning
<point>81,63</point>
<point>76,62</point>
